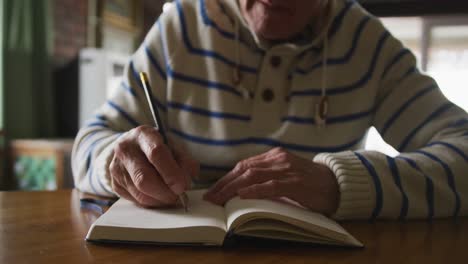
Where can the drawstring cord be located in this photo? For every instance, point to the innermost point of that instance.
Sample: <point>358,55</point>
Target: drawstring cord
<point>321,108</point>
<point>237,74</point>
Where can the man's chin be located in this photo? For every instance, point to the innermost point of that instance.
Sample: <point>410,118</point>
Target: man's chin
<point>274,35</point>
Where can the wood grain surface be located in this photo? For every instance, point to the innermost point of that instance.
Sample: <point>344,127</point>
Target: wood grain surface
<point>50,227</point>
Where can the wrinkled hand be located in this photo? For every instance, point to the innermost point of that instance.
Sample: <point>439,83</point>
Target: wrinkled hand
<point>145,171</point>
<point>279,174</point>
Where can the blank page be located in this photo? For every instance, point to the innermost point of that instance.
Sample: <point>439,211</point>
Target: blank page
<point>124,216</point>
<point>239,211</point>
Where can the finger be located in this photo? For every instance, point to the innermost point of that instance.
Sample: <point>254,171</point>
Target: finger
<point>123,185</point>
<point>143,175</point>
<point>128,190</point>
<point>238,170</point>
<point>260,161</point>
<point>117,179</point>
<point>139,197</point>
<point>267,190</point>
<point>143,199</point>
<point>122,192</point>
<point>249,178</point>
<point>159,154</point>
<point>272,153</point>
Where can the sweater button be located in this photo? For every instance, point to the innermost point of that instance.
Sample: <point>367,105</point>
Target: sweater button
<point>268,95</point>
<point>275,61</point>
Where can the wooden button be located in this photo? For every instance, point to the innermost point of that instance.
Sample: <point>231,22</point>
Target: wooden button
<point>268,95</point>
<point>275,61</point>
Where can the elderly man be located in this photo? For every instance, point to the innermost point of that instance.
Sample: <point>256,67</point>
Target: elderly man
<point>272,99</point>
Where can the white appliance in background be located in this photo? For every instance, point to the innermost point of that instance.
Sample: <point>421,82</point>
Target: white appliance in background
<point>100,73</point>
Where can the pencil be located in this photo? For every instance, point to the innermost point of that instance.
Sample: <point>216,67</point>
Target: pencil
<point>159,125</point>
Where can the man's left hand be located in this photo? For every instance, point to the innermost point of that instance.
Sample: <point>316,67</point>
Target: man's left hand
<point>279,174</point>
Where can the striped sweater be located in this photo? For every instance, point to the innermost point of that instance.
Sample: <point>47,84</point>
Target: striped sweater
<point>191,55</point>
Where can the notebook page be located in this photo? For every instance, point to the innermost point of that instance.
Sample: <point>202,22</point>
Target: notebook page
<point>201,213</point>
<point>239,210</point>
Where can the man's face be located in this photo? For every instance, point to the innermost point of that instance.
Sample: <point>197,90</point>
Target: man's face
<point>279,19</point>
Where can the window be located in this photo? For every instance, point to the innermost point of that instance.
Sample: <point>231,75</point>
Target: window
<point>441,47</point>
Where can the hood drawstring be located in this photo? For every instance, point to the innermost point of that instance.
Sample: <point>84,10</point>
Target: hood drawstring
<point>321,108</point>
<point>237,74</point>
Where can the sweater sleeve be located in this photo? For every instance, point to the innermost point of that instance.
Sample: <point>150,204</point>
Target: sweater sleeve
<point>428,177</point>
<point>124,110</point>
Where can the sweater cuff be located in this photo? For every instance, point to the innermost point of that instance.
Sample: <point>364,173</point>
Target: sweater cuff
<point>357,193</point>
<point>102,162</point>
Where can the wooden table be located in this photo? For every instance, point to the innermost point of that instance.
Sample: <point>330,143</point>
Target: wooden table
<point>49,227</point>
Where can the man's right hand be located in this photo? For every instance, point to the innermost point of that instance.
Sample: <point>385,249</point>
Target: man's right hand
<point>146,171</point>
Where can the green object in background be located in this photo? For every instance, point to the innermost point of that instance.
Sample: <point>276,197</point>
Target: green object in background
<point>26,94</point>
<point>28,97</point>
<point>33,173</point>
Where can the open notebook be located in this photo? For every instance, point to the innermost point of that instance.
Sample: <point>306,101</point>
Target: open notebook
<point>209,224</point>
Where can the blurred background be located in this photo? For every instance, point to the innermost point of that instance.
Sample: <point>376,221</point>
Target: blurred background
<point>60,58</point>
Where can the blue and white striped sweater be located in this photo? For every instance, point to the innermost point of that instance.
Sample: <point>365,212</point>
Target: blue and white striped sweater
<point>372,81</point>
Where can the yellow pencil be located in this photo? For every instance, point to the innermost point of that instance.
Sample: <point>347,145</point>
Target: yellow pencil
<point>183,198</point>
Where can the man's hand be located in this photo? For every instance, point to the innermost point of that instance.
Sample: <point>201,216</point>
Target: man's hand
<point>279,174</point>
<point>146,171</point>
